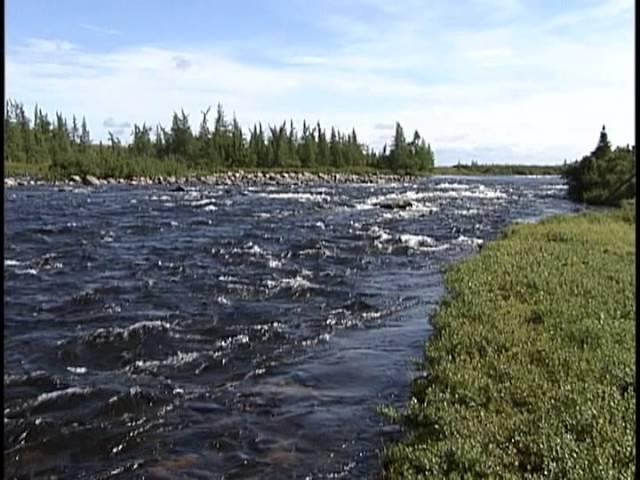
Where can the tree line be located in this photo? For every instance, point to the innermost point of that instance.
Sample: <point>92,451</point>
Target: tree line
<point>67,148</point>
<point>604,177</point>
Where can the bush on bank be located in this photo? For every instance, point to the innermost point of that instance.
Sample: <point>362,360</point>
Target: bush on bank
<point>531,373</point>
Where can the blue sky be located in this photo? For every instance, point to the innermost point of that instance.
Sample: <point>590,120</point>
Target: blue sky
<point>508,81</point>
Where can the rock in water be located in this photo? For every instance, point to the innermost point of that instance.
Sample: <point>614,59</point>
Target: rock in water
<point>398,205</point>
<point>178,188</point>
<point>75,179</point>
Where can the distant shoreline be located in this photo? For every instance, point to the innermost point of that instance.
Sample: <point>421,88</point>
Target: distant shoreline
<point>217,179</point>
<point>292,177</point>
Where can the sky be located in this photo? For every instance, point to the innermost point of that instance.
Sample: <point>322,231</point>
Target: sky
<point>492,81</point>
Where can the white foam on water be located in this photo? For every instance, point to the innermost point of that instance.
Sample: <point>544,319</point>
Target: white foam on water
<point>467,212</point>
<point>78,370</point>
<point>296,283</point>
<point>231,341</point>
<point>274,263</point>
<point>409,195</point>
<point>268,327</point>
<point>181,358</point>
<point>12,263</point>
<point>228,278</point>
<point>415,241</point>
<point>452,186</point>
<point>27,271</point>
<point>191,195</point>
<point>210,208</point>
<point>371,315</point>
<point>67,392</point>
<point>222,300</point>
<point>306,273</point>
<point>468,240</point>
<point>250,248</point>
<point>436,248</point>
<point>363,206</point>
<point>323,338</point>
<point>379,234</point>
<point>125,332</point>
<point>412,212</point>
<point>303,197</point>
<point>479,191</point>
<point>202,202</point>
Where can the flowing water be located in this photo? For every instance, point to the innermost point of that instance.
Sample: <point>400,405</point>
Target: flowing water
<point>228,332</point>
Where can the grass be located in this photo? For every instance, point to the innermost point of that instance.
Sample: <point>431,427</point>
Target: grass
<point>531,373</point>
<point>499,170</point>
<point>36,170</point>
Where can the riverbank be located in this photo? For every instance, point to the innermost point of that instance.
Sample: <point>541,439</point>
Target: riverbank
<point>231,178</point>
<point>224,178</point>
<point>531,371</point>
<point>497,170</point>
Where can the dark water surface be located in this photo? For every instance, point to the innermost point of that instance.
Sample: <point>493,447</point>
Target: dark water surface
<point>228,332</point>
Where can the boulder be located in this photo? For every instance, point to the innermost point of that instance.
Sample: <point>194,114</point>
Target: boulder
<point>91,180</point>
<point>75,179</point>
<point>396,205</point>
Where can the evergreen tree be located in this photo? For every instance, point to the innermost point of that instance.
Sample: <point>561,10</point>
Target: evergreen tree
<point>307,148</point>
<point>158,143</point>
<point>70,150</point>
<point>604,176</point>
<point>399,155</point>
<point>85,137</point>
<point>74,131</point>
<point>603,149</point>
<point>324,156</point>
<point>335,151</point>
<point>141,145</point>
<point>203,140</point>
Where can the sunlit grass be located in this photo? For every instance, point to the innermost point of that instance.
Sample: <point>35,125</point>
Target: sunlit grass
<point>531,373</point>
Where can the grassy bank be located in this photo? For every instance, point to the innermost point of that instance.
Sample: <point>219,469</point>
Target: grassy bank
<point>14,169</point>
<point>531,372</point>
<point>499,170</point>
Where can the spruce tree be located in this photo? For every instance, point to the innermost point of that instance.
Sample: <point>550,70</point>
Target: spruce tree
<point>399,154</point>
<point>85,137</point>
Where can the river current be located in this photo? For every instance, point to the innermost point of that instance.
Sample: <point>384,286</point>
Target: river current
<point>229,332</point>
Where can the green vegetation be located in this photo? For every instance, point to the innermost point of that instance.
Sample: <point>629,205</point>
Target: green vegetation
<point>531,371</point>
<point>605,176</point>
<point>491,169</point>
<point>59,148</point>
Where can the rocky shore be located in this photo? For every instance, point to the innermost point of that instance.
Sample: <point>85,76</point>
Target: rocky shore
<point>227,179</point>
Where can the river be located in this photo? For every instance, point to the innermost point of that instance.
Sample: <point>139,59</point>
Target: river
<point>229,332</point>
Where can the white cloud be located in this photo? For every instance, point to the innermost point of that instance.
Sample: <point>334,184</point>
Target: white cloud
<point>101,30</point>
<point>306,60</point>
<point>517,89</point>
<point>604,10</point>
